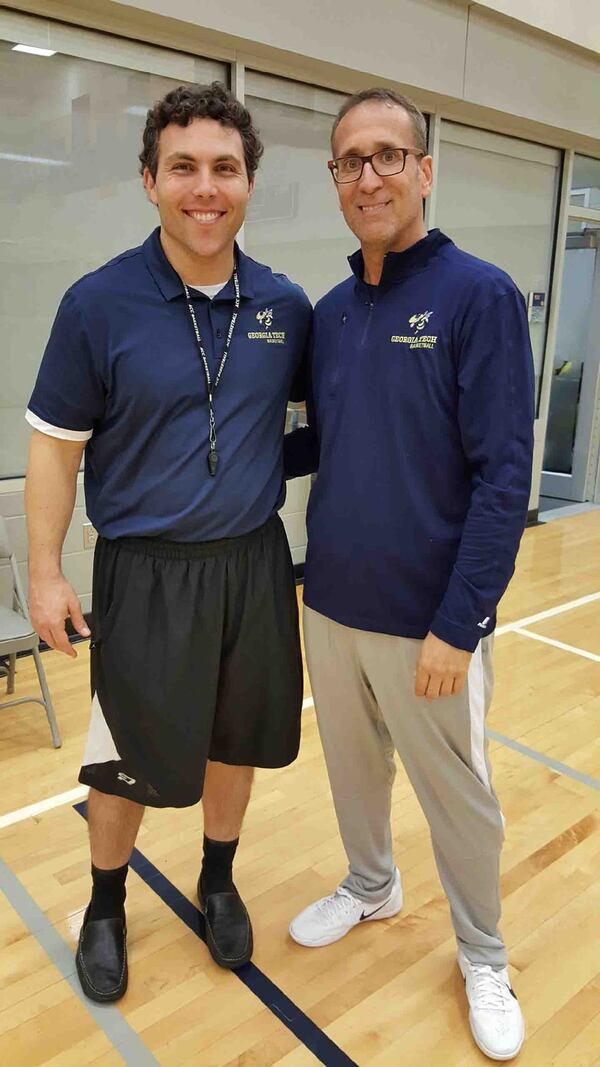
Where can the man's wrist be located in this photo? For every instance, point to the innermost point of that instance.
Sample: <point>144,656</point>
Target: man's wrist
<point>458,636</point>
<point>44,571</point>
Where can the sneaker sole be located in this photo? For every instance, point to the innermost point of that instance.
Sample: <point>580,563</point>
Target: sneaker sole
<point>329,940</point>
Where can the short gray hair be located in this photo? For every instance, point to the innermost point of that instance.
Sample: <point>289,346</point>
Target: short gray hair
<point>388,96</point>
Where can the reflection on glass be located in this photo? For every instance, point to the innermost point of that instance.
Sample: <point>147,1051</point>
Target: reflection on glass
<point>576,354</point>
<point>496,198</point>
<point>70,198</point>
<point>293,223</point>
<point>585,186</point>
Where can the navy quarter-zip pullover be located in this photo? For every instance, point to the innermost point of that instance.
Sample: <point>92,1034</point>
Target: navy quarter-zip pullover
<point>422,419</point>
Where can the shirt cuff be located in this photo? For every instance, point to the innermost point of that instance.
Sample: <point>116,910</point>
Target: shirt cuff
<point>56,431</point>
<point>457,636</point>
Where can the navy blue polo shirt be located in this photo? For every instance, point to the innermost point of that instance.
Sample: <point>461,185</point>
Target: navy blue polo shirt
<point>122,370</point>
<point>422,429</point>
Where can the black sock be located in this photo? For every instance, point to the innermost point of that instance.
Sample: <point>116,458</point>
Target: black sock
<point>217,863</point>
<point>108,893</point>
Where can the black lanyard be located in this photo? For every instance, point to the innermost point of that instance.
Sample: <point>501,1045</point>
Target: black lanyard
<point>211,387</point>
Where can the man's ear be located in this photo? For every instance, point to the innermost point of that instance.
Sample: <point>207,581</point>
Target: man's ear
<point>426,169</point>
<point>251,185</point>
<point>150,186</point>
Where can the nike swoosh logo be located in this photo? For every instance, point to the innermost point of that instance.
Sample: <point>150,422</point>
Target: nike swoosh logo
<point>368,914</point>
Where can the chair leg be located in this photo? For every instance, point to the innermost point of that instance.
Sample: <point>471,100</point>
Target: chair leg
<point>12,665</point>
<point>56,741</point>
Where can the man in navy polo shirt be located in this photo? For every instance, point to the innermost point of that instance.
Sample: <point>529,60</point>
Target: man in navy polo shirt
<point>423,418</point>
<point>172,366</point>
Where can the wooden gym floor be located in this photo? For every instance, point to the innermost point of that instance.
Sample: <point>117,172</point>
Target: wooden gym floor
<point>390,993</point>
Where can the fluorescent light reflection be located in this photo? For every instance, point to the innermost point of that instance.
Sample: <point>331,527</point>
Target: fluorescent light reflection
<point>29,48</point>
<point>13,157</point>
<point>136,109</point>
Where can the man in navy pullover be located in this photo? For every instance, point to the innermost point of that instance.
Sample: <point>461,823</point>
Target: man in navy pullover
<point>421,426</point>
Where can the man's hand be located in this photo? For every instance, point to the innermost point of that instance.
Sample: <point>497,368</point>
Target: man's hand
<point>51,601</point>
<point>441,670</point>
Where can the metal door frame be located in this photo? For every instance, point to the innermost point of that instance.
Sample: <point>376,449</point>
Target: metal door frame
<point>583,483</point>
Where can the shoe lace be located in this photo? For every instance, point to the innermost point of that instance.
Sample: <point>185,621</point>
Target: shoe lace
<point>337,906</point>
<point>489,988</point>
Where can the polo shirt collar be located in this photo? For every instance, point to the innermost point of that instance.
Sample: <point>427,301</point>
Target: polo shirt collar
<point>398,265</point>
<point>169,282</point>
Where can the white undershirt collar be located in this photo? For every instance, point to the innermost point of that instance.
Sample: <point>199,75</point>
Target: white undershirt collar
<point>209,290</point>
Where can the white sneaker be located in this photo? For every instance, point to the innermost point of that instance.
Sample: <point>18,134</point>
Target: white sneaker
<point>495,1015</point>
<point>330,918</point>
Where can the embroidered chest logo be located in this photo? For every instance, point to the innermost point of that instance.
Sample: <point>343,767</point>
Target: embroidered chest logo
<point>417,339</point>
<point>273,337</point>
<point>419,322</point>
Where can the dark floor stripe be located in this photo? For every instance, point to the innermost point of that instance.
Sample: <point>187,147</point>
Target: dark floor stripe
<point>314,1039</point>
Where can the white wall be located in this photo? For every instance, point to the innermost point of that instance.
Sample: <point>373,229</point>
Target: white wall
<point>576,20</point>
<point>444,51</point>
<point>517,71</point>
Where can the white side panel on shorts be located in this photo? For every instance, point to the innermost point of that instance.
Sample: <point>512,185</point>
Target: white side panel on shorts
<point>100,747</point>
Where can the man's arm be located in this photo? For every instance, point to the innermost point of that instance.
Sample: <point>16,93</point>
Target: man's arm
<point>50,489</point>
<point>495,415</point>
<point>300,452</point>
<point>301,446</point>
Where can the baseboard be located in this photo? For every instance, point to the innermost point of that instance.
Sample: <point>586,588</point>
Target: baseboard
<point>533,518</point>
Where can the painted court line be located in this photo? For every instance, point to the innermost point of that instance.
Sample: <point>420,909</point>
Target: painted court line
<point>557,644</point>
<point>539,757</point>
<point>61,799</point>
<point>78,794</point>
<point>558,610</point>
<point>314,1039</point>
<point>106,1016</point>
<point>43,805</point>
<point>70,797</point>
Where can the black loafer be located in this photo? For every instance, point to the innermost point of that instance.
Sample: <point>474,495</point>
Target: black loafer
<point>228,927</point>
<point>101,958</point>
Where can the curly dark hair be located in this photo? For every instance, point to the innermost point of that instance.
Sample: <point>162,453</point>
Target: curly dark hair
<point>189,102</point>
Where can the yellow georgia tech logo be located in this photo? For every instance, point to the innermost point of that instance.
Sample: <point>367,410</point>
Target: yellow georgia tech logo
<point>419,322</point>
<point>417,339</point>
<point>273,337</point>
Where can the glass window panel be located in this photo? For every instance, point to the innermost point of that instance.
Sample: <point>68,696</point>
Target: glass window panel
<point>496,198</point>
<point>293,223</point>
<point>585,185</point>
<point>70,198</point>
<point>577,352</point>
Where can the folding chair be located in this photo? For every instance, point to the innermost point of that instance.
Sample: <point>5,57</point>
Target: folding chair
<point>17,635</point>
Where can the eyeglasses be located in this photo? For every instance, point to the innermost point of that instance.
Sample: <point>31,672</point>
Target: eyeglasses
<point>386,162</point>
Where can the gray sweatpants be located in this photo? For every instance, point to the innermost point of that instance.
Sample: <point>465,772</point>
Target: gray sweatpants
<point>363,688</point>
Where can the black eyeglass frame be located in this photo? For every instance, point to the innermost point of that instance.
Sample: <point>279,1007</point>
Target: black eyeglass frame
<point>333,163</point>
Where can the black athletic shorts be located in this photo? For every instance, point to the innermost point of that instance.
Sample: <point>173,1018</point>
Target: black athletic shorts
<point>195,656</point>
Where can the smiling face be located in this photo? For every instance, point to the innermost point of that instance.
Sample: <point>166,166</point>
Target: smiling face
<point>386,214</point>
<point>201,190</point>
